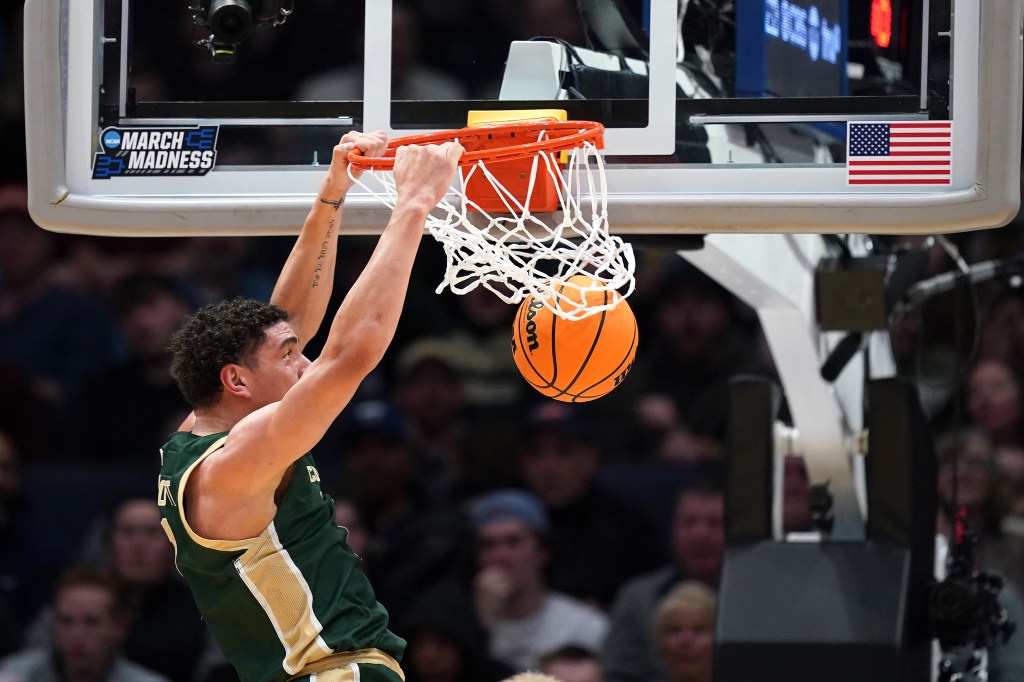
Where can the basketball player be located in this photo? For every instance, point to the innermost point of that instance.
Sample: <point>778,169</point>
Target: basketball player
<point>239,493</point>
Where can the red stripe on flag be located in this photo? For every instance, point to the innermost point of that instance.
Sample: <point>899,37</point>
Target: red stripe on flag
<point>927,134</point>
<point>899,163</point>
<point>923,124</point>
<point>899,181</point>
<point>919,144</point>
<point>899,171</point>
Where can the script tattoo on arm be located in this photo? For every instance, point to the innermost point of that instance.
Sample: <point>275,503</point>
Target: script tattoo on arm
<point>323,252</point>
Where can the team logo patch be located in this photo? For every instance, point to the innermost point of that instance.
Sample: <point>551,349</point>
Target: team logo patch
<point>155,151</point>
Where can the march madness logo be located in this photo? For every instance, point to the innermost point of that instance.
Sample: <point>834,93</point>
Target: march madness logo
<point>155,151</point>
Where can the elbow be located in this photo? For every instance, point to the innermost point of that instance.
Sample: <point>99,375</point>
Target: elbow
<point>363,348</point>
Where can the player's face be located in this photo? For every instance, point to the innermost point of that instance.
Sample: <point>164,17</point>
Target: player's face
<point>277,365</point>
<point>85,630</point>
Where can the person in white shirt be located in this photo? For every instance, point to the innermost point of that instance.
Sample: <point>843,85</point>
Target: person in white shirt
<point>525,618</point>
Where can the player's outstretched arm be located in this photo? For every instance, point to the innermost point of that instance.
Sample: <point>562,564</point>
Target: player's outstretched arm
<point>304,287</point>
<point>360,333</point>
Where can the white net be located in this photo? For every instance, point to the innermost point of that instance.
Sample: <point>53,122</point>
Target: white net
<point>517,253</point>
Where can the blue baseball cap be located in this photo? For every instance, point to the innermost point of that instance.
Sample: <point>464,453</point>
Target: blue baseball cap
<point>376,417</point>
<point>509,505</point>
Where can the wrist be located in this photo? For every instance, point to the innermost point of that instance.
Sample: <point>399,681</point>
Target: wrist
<point>333,193</point>
<point>334,203</point>
<point>415,205</point>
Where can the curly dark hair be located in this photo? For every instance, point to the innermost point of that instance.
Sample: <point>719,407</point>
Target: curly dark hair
<point>217,335</point>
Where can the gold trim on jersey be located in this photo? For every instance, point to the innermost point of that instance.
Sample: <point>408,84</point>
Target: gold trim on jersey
<point>336,668</point>
<point>278,585</point>
<point>349,673</point>
<point>218,545</point>
<point>174,543</point>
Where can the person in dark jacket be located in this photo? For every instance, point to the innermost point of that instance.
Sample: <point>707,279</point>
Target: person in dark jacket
<point>446,642</point>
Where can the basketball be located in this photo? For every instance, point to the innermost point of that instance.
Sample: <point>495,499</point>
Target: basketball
<point>575,360</point>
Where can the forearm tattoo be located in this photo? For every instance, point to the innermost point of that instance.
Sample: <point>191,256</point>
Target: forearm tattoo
<point>336,204</point>
<point>323,252</point>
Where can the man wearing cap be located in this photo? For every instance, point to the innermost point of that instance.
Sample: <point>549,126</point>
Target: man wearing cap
<point>418,538</point>
<point>525,617</point>
<point>559,459</point>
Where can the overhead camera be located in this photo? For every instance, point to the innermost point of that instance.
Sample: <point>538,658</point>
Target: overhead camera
<point>231,21</point>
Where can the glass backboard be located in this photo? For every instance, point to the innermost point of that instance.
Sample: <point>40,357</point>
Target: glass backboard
<point>880,116</point>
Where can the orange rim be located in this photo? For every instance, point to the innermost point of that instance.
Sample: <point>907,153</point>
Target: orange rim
<point>493,142</point>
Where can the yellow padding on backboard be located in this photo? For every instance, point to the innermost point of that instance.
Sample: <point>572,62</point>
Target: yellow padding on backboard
<point>476,118</point>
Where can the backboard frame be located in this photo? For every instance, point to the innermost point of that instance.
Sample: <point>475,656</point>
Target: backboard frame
<point>987,73</point>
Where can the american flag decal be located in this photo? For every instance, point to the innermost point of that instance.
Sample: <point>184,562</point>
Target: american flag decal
<point>899,153</point>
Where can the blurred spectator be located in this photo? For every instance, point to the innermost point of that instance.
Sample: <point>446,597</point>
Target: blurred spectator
<point>53,334</point>
<point>525,617</point>
<point>995,404</point>
<point>559,460</point>
<point>94,265</point>
<point>630,653</point>
<point>969,480</point>
<point>572,664</point>
<point>417,541</point>
<point>995,401</point>
<point>1002,325</point>
<point>25,417</point>
<point>165,632</point>
<point>29,560</point>
<point>453,41</point>
<point>685,625</point>
<point>91,616</point>
<point>411,78</point>
<point>446,642</point>
<point>149,308</point>
<point>10,628</point>
<point>477,348</point>
<point>348,516</point>
<point>676,397</point>
<point>220,268</point>
<point>535,18</point>
<point>430,394</point>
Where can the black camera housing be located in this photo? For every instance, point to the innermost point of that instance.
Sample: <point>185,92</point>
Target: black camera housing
<point>230,22</point>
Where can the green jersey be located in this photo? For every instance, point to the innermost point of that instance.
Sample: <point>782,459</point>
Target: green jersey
<point>289,602</point>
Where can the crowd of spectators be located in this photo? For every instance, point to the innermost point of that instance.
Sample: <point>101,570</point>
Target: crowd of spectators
<point>487,517</point>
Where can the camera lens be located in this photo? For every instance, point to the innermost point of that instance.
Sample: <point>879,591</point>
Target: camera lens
<point>230,20</point>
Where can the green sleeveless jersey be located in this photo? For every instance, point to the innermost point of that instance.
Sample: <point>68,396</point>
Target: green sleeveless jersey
<point>288,602</point>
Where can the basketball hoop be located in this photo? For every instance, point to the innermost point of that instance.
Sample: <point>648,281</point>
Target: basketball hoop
<point>520,225</point>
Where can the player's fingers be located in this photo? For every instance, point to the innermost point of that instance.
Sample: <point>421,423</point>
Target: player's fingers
<point>454,150</point>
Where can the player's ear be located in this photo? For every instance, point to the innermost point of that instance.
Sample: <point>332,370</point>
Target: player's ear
<point>232,378</point>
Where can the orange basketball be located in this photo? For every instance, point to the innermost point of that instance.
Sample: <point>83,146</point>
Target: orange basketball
<point>575,360</point>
